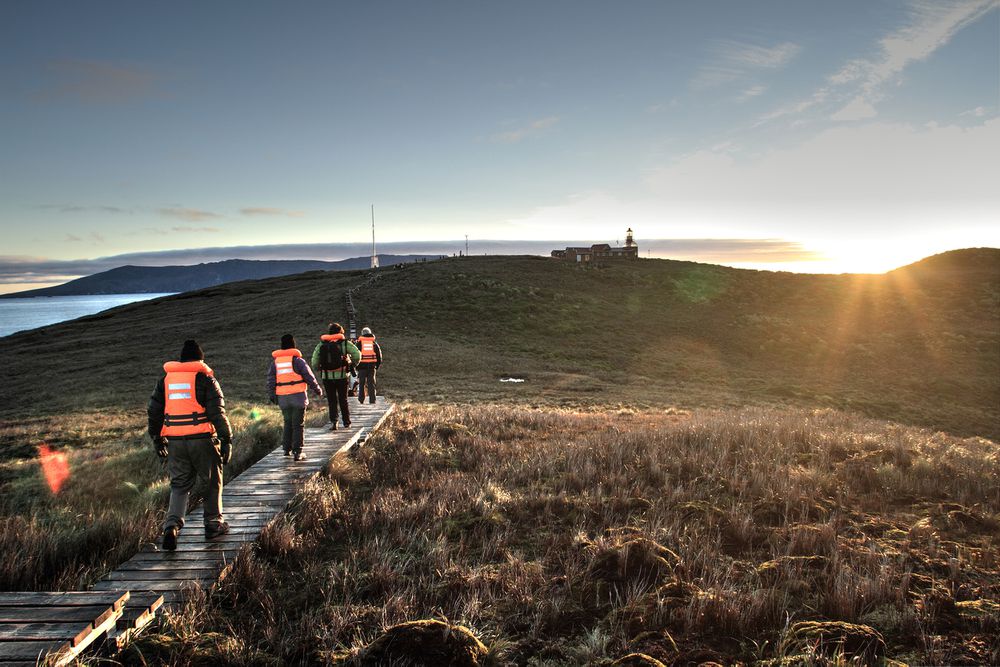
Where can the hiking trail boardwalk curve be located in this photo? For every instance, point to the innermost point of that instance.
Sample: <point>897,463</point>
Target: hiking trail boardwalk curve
<point>61,625</point>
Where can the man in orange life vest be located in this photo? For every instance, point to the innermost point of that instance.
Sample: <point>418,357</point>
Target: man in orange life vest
<point>287,380</point>
<point>188,424</point>
<point>371,359</point>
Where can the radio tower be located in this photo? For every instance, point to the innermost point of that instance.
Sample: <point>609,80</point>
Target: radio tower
<point>374,255</point>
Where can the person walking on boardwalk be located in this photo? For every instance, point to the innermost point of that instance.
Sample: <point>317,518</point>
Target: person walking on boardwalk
<point>188,424</point>
<point>288,378</point>
<point>335,356</point>
<point>371,359</point>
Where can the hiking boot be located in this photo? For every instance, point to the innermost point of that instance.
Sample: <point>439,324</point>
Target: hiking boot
<point>333,426</point>
<point>288,452</point>
<point>347,424</point>
<point>371,400</point>
<point>299,456</point>
<point>215,530</point>
<point>170,538</point>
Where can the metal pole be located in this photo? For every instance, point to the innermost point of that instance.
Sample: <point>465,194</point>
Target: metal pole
<point>374,254</point>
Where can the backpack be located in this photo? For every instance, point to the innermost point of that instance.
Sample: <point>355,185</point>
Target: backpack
<point>333,359</point>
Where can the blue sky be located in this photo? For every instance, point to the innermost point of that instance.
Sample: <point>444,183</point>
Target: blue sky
<point>863,134</point>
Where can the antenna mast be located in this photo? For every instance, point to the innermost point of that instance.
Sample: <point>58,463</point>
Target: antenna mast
<point>374,255</point>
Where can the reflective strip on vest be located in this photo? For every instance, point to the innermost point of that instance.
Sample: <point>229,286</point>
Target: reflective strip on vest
<point>288,381</point>
<point>368,350</point>
<point>183,415</point>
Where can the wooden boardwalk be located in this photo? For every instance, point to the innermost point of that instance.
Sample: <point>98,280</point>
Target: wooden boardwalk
<point>61,625</point>
<point>249,503</point>
<point>57,627</point>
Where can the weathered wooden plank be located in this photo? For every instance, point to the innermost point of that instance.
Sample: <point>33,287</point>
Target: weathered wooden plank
<point>171,585</point>
<point>51,613</point>
<point>72,632</point>
<point>174,556</point>
<point>237,517</point>
<point>207,571</point>
<point>154,566</point>
<point>63,599</point>
<point>28,650</point>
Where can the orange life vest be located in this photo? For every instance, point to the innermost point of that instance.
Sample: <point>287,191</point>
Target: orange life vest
<point>368,355</point>
<point>183,415</point>
<point>335,338</point>
<point>287,380</point>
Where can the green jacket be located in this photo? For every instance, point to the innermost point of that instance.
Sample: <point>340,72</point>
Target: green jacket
<point>349,348</point>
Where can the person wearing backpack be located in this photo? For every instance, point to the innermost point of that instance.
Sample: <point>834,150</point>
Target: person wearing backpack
<point>188,424</point>
<point>288,378</point>
<point>371,359</point>
<point>335,357</point>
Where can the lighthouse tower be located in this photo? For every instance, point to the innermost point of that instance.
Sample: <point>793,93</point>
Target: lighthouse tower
<point>629,242</point>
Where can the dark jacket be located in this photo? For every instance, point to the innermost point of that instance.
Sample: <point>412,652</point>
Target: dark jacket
<point>209,394</point>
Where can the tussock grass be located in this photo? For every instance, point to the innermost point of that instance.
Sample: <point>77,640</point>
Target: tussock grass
<point>566,538</point>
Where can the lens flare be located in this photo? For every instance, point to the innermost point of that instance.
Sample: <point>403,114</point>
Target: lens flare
<point>55,468</point>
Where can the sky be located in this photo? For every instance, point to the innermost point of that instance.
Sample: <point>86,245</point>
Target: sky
<point>803,136</point>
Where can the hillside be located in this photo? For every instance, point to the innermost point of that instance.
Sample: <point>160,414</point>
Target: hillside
<point>160,279</point>
<point>617,501</point>
<point>650,333</point>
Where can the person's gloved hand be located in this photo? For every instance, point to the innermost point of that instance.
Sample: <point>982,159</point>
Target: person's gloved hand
<point>161,447</point>
<point>226,449</point>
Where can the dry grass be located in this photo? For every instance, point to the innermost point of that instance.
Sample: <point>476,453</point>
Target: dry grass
<point>579,538</point>
<point>112,502</point>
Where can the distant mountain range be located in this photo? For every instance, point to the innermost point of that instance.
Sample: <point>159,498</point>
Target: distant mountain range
<point>161,279</point>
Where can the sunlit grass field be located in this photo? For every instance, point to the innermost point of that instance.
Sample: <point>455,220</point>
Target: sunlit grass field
<point>730,390</point>
<point>565,538</point>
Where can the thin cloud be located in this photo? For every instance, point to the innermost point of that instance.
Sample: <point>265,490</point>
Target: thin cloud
<point>264,210</point>
<point>857,109</point>
<point>93,237</point>
<point>94,82</point>
<point>855,179</point>
<point>931,26</point>
<point>735,61</point>
<point>858,84</point>
<point>795,108</point>
<point>189,214</point>
<point>754,55</point>
<point>751,92</point>
<point>185,229</point>
<point>521,133</point>
<point>978,112</point>
<point>78,208</point>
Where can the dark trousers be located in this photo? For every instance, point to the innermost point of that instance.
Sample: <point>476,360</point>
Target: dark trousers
<point>188,460</point>
<point>366,382</point>
<point>295,421</point>
<point>336,396</point>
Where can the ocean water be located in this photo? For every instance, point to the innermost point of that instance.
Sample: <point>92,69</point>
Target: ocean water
<point>21,314</point>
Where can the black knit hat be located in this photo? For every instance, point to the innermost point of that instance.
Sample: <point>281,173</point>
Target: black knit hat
<point>287,342</point>
<point>335,328</point>
<point>192,351</point>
